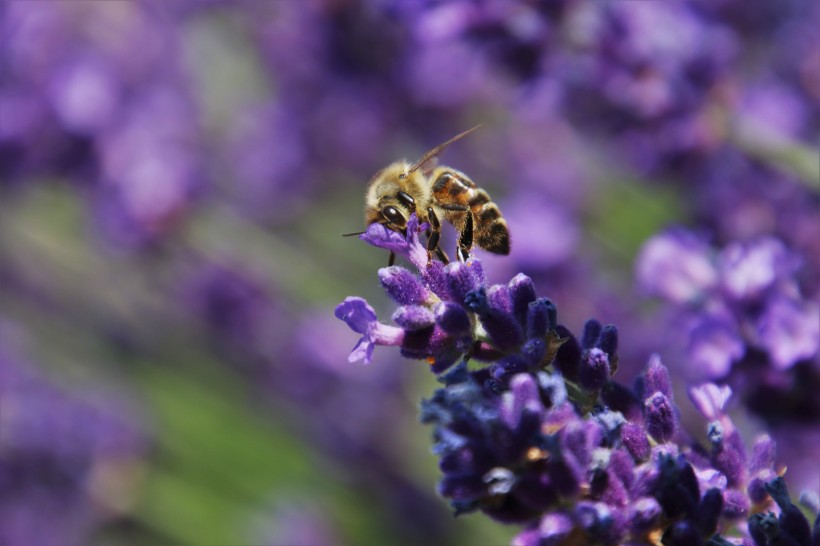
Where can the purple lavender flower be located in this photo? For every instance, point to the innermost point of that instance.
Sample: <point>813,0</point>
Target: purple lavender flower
<point>113,115</point>
<point>574,455</point>
<point>526,449</point>
<point>267,150</point>
<point>362,319</point>
<point>69,462</point>
<point>235,307</point>
<point>745,298</point>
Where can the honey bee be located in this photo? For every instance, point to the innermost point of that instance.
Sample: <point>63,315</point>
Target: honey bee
<point>435,192</point>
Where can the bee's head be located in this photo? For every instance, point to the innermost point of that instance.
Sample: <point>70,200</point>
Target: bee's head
<point>387,202</point>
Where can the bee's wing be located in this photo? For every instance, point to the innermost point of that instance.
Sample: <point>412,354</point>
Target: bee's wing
<point>429,166</point>
<point>438,149</point>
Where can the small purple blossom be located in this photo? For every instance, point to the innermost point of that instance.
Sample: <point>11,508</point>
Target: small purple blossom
<point>710,399</point>
<point>362,319</point>
<point>789,330</point>
<point>407,246</point>
<point>677,267</point>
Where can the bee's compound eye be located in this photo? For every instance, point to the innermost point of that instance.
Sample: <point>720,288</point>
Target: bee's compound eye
<point>393,215</point>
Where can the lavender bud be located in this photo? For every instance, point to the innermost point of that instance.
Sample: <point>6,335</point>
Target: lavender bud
<point>436,278</point>
<point>677,490</point>
<point>568,357</point>
<point>661,421</point>
<point>498,297</point>
<point>763,453</point>
<point>522,293</point>
<point>735,504</point>
<point>503,330</point>
<point>453,319</point>
<point>591,332</point>
<point>461,280</point>
<point>594,370</point>
<point>403,287</point>
<point>655,378</point>
<point>757,488</point>
<point>793,524</point>
<point>541,316</point>
<point>477,268</point>
<point>709,511</point>
<point>413,317</point>
<point>634,438</point>
<point>730,457</point>
<point>608,341</point>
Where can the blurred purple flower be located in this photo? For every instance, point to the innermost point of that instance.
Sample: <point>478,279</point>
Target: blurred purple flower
<point>789,331</point>
<point>236,308</point>
<point>68,461</point>
<point>268,157</point>
<point>744,297</point>
<point>676,266</point>
<point>106,108</point>
<point>740,200</point>
<point>150,170</point>
<point>714,344</point>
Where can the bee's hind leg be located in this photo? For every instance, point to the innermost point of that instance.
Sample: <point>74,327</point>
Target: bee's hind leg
<point>392,259</point>
<point>465,239</point>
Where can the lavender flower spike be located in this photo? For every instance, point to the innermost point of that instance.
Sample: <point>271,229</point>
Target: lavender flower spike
<point>542,436</point>
<point>361,318</point>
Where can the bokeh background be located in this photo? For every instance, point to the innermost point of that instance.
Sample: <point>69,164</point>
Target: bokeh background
<point>175,179</point>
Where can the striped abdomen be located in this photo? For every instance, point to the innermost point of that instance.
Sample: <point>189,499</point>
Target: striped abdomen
<point>454,192</point>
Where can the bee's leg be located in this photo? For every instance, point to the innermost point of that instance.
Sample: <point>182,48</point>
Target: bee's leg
<point>392,259</point>
<point>445,259</point>
<point>465,240</point>
<point>432,241</point>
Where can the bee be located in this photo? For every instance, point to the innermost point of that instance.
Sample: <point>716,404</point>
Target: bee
<point>435,193</point>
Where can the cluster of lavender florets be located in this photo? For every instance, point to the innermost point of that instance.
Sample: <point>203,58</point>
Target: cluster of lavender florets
<point>542,436</point>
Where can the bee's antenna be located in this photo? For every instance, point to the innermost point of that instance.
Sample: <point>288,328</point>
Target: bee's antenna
<point>437,150</point>
<point>353,234</point>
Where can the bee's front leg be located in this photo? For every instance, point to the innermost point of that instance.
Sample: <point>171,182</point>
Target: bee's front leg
<point>392,259</point>
<point>432,240</point>
<point>465,240</point>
